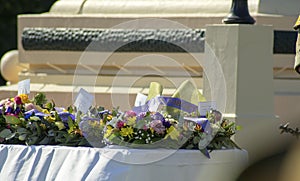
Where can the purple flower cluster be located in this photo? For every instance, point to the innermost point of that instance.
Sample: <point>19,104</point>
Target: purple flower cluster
<point>158,126</point>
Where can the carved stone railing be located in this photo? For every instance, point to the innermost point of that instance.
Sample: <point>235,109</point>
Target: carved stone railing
<point>126,40</point>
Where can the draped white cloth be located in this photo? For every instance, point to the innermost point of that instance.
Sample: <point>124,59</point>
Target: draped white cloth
<point>117,164</point>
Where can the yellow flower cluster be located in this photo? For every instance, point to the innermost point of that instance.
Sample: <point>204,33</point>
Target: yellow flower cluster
<point>24,98</point>
<point>126,131</point>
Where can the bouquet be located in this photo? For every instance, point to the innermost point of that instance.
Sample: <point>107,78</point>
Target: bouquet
<point>163,122</point>
<point>38,122</point>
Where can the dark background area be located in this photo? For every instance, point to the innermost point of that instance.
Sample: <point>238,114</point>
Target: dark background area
<point>9,10</point>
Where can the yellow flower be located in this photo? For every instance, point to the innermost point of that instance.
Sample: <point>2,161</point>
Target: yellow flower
<point>172,133</point>
<point>60,125</point>
<point>131,121</point>
<point>152,130</point>
<point>126,131</point>
<point>45,111</point>
<point>108,131</point>
<point>101,122</point>
<point>109,117</point>
<point>50,118</point>
<point>24,98</point>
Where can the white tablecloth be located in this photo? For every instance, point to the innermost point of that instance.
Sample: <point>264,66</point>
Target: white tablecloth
<point>117,164</point>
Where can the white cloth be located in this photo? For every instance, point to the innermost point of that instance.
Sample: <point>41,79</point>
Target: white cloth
<point>117,164</point>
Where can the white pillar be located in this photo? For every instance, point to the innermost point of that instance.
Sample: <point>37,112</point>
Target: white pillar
<point>245,55</point>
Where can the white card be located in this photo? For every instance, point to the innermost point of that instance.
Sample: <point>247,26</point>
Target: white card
<point>83,101</point>
<point>24,87</point>
<point>154,104</point>
<point>140,99</point>
<point>205,107</point>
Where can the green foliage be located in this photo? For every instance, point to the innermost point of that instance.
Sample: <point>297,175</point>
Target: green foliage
<point>47,128</point>
<point>40,99</point>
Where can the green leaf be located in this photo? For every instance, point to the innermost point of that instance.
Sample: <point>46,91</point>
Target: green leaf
<point>12,135</point>
<point>70,109</point>
<point>49,106</point>
<point>32,140</point>
<point>71,125</point>
<point>5,133</point>
<point>44,141</point>
<point>40,99</point>
<point>196,140</point>
<point>138,142</point>
<point>38,129</point>
<point>22,130</point>
<point>12,120</point>
<point>22,137</point>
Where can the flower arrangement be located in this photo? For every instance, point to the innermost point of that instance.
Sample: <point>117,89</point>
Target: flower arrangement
<point>158,130</point>
<point>174,123</point>
<point>38,122</point>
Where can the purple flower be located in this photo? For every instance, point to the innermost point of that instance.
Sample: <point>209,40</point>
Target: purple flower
<point>40,114</point>
<point>59,109</point>
<point>29,106</point>
<point>141,116</point>
<point>64,116</point>
<point>9,110</point>
<point>101,113</point>
<point>157,116</point>
<point>18,110</point>
<point>166,124</point>
<point>120,124</point>
<point>28,114</point>
<point>130,113</point>
<point>157,126</point>
<point>18,100</point>
<point>32,112</point>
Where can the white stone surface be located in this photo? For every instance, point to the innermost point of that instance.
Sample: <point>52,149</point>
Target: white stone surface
<point>67,7</point>
<point>171,7</point>
<point>157,7</point>
<point>10,66</point>
<point>244,53</point>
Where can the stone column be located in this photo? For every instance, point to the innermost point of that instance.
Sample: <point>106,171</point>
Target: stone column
<point>245,55</point>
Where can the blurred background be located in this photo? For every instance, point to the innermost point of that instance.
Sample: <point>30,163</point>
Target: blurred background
<point>9,11</point>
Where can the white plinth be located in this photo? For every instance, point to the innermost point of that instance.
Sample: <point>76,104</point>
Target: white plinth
<point>118,164</point>
<point>244,53</point>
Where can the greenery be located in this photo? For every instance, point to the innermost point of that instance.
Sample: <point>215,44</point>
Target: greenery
<point>38,122</point>
<point>9,10</point>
